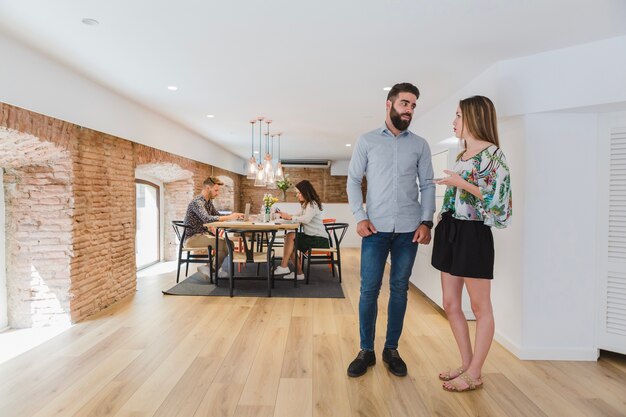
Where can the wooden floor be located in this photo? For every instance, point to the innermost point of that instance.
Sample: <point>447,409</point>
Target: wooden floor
<point>156,355</point>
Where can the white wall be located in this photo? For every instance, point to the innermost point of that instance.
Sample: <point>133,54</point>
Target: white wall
<point>37,83</point>
<point>339,167</point>
<point>4,320</point>
<point>584,75</point>
<point>546,265</point>
<point>560,239</point>
<point>508,283</point>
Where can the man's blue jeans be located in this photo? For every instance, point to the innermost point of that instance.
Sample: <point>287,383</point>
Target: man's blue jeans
<point>374,251</point>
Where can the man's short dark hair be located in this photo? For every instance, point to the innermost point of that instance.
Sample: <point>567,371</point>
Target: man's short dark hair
<point>402,88</point>
<point>211,181</point>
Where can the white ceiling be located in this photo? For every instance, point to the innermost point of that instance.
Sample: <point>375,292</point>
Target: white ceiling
<point>317,69</point>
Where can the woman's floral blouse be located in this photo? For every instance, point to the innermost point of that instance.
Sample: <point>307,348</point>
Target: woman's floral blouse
<point>489,171</point>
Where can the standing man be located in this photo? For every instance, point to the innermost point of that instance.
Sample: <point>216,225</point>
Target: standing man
<point>394,159</point>
<point>201,211</point>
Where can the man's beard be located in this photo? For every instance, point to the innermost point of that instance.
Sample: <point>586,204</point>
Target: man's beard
<point>396,120</point>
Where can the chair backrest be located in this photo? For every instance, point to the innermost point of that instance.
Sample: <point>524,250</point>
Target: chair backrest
<point>336,232</point>
<point>179,225</point>
<point>329,220</point>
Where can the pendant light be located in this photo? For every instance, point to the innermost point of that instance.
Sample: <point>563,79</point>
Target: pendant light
<point>252,164</point>
<point>279,174</point>
<point>259,180</point>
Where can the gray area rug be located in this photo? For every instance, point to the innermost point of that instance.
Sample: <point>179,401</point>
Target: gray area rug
<point>321,285</point>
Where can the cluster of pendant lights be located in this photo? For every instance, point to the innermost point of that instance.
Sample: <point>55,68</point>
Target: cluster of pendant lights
<point>263,172</point>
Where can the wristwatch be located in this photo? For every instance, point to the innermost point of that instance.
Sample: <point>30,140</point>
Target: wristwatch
<point>427,223</point>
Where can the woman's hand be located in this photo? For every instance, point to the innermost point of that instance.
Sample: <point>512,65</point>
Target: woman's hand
<point>284,215</point>
<point>453,180</point>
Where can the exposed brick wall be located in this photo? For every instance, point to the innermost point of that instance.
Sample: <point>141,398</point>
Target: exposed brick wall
<point>331,189</point>
<point>178,194</point>
<point>70,213</point>
<point>38,249</point>
<point>103,266</point>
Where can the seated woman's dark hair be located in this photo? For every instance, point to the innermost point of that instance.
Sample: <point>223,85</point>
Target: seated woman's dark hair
<point>308,193</point>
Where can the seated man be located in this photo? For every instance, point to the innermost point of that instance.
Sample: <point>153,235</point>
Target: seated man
<point>201,211</point>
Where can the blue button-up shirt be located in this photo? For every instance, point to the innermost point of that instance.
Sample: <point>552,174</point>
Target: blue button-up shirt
<point>393,165</point>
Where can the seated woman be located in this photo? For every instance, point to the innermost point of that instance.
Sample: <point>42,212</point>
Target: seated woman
<point>314,236</point>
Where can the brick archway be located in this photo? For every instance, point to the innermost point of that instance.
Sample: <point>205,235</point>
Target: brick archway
<point>39,209</point>
<point>226,199</point>
<point>178,191</point>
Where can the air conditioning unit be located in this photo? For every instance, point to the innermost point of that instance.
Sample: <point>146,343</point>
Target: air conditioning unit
<point>305,163</point>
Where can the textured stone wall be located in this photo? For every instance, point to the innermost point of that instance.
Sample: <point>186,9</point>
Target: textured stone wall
<point>70,214</point>
<point>331,189</point>
<point>103,265</point>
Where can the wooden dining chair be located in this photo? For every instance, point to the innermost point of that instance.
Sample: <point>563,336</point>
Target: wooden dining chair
<point>190,255</point>
<point>252,254</point>
<point>332,255</point>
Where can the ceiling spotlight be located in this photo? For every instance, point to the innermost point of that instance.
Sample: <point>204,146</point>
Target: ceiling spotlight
<point>90,22</point>
<point>210,116</point>
<point>387,88</point>
<point>348,144</point>
<point>172,88</point>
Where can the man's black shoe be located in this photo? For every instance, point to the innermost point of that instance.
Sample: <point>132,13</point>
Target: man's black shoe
<point>363,360</point>
<point>394,362</point>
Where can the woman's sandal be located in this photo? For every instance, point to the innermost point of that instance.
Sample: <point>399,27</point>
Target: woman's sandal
<point>450,375</point>
<point>472,384</point>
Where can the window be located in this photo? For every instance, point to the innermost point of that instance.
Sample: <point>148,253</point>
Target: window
<point>147,235</point>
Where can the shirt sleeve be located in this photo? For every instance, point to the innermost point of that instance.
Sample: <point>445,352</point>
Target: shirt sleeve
<point>306,215</point>
<point>426,184</point>
<point>356,171</point>
<point>203,214</point>
<point>494,182</point>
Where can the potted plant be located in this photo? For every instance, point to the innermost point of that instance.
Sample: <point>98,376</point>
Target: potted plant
<point>283,185</point>
<point>268,202</point>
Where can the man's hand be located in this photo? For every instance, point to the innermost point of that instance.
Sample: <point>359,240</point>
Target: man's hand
<point>422,235</point>
<point>365,228</point>
<point>233,216</point>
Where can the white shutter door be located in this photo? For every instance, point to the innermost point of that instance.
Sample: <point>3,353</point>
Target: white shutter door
<point>613,332</point>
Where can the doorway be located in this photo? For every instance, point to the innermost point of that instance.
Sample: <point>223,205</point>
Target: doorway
<point>147,238</point>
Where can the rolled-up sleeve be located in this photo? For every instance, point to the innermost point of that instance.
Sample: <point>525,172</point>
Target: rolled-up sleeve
<point>356,171</point>
<point>426,184</point>
<point>495,187</point>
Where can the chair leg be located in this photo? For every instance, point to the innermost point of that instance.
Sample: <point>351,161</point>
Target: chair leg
<point>178,271</point>
<point>211,266</point>
<point>270,281</point>
<point>338,265</point>
<point>231,279</point>
<point>332,263</point>
<point>187,267</point>
<point>308,267</point>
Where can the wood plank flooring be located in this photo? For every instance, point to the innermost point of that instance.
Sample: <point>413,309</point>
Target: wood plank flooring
<point>156,355</point>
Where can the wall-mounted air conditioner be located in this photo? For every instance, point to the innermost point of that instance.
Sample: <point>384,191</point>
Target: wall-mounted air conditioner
<point>305,163</point>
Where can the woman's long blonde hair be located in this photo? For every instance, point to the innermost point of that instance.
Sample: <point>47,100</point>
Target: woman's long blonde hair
<point>479,118</point>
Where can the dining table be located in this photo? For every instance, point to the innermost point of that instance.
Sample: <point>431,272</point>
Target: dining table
<point>254,227</point>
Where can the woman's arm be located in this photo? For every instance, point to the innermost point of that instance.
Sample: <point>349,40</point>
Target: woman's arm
<point>455,180</point>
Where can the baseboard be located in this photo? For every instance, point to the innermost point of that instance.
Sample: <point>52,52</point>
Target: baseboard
<point>547,353</point>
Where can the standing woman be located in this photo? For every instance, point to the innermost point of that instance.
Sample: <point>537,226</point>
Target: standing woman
<point>478,196</point>
<point>314,233</point>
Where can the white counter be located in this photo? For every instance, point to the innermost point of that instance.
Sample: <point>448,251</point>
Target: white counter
<point>339,211</point>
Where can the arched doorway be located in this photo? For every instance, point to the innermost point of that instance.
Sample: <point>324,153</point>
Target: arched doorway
<point>148,232</point>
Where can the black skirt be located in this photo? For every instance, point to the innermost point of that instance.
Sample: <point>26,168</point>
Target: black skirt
<point>463,248</point>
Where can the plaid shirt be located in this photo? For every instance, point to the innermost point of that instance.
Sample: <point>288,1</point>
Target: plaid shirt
<point>199,212</point>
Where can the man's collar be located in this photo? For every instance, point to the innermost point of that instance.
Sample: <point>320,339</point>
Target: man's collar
<point>385,130</point>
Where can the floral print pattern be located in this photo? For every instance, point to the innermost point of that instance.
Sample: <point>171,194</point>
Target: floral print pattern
<point>489,171</point>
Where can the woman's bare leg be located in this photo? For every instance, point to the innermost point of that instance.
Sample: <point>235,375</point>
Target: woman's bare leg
<point>288,249</point>
<point>452,287</point>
